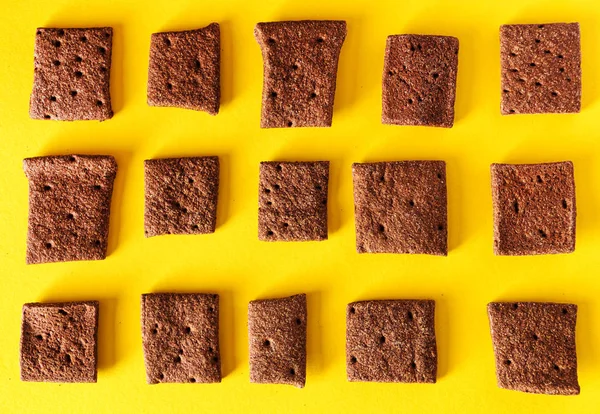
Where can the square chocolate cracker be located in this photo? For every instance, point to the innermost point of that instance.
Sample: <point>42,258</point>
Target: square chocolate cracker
<point>72,74</point>
<point>300,69</point>
<point>184,69</point>
<point>292,201</point>
<point>534,345</point>
<point>534,208</point>
<point>419,80</point>
<point>277,336</point>
<point>391,341</point>
<point>181,195</point>
<point>400,207</point>
<point>69,207</point>
<point>541,68</point>
<point>59,342</point>
<point>180,334</point>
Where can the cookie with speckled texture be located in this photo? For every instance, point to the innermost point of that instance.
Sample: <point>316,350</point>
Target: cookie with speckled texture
<point>72,74</point>
<point>534,208</point>
<point>277,336</point>
<point>181,195</point>
<point>534,345</point>
<point>59,342</point>
<point>300,69</point>
<point>419,80</point>
<point>541,68</point>
<point>180,335</point>
<point>400,207</point>
<point>69,207</point>
<point>391,341</point>
<point>184,69</point>
<point>292,201</point>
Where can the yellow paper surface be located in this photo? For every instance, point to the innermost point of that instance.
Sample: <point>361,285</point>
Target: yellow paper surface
<point>233,263</point>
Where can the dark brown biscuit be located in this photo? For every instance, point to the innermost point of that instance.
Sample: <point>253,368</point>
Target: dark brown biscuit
<point>300,69</point>
<point>277,336</point>
<point>391,341</point>
<point>69,207</point>
<point>59,342</point>
<point>541,68</point>
<point>292,201</point>
<point>534,208</point>
<point>72,74</point>
<point>184,69</point>
<point>419,80</point>
<point>400,207</point>
<point>180,334</point>
<point>181,195</point>
<point>534,344</point>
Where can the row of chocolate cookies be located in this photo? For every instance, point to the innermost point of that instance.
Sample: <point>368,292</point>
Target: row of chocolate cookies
<point>541,73</point>
<point>400,206</point>
<point>386,341</point>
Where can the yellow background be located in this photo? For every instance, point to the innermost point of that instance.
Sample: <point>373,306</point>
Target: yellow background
<point>233,263</point>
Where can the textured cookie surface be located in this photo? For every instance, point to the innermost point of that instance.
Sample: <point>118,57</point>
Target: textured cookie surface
<point>300,69</point>
<point>391,341</point>
<point>69,207</point>
<point>180,334</point>
<point>277,335</point>
<point>59,342</point>
<point>184,69</point>
<point>541,68</point>
<point>72,74</point>
<point>292,201</point>
<point>534,208</point>
<point>534,345</point>
<point>419,80</point>
<point>400,207</point>
<point>181,195</point>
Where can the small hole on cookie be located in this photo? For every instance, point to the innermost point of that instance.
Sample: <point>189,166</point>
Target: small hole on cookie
<point>561,70</point>
<point>70,216</point>
<point>410,316</point>
<point>269,203</point>
<point>382,339</point>
<point>101,50</point>
<point>535,337</point>
<point>62,311</point>
<point>286,225</point>
<point>53,98</point>
<point>512,111</point>
<point>211,309</point>
<point>47,188</point>
<point>188,330</point>
<point>381,228</point>
<point>39,337</point>
<point>512,54</point>
<point>99,103</point>
<point>97,187</point>
<point>161,376</point>
<point>440,227</point>
<point>177,359</point>
<point>507,362</point>
<point>57,43</point>
<point>313,95</point>
<point>537,40</point>
<point>538,84</point>
<point>167,41</point>
<point>83,39</point>
<point>210,350</point>
<point>353,360</point>
<point>266,343</point>
<point>48,245</point>
<point>515,305</point>
<point>413,365</point>
<point>439,176</point>
<point>560,56</point>
<point>514,70</point>
<point>556,367</point>
<point>47,117</point>
<point>56,62</point>
<point>78,74</point>
<point>564,311</point>
<point>411,203</point>
<point>102,69</point>
<point>276,186</point>
<point>410,101</point>
<point>73,93</point>
<point>270,233</point>
<point>294,66</point>
<point>320,40</point>
<point>169,86</point>
<point>195,227</point>
<point>267,190</point>
<point>564,204</point>
<point>541,26</point>
<point>542,233</point>
<point>273,94</point>
<point>192,380</point>
<point>318,188</point>
<point>436,75</point>
<point>290,123</point>
<point>298,321</point>
<point>539,179</point>
<point>78,59</point>
<point>271,41</point>
<point>532,64</point>
<point>215,359</point>
<point>154,331</point>
<point>352,310</point>
<point>292,371</point>
<point>197,64</point>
